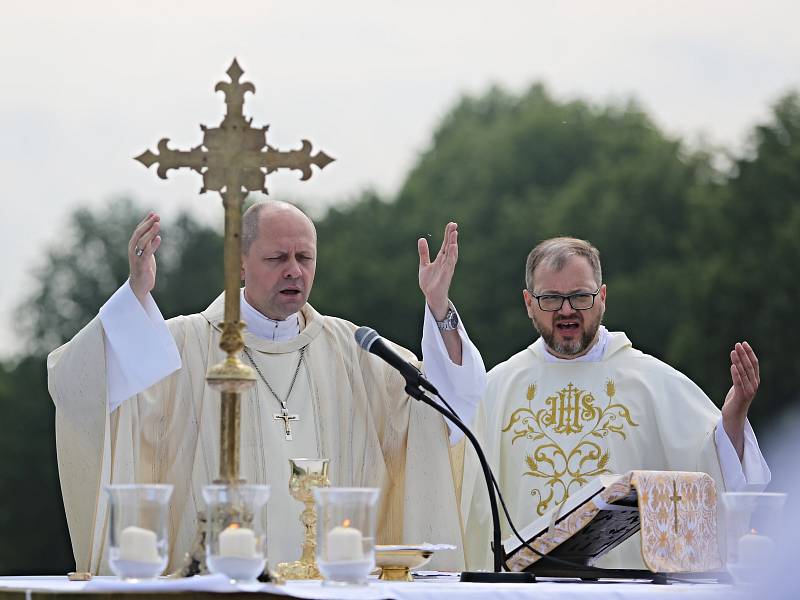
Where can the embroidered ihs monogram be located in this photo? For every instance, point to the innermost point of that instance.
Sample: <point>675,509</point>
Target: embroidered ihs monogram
<point>569,412</point>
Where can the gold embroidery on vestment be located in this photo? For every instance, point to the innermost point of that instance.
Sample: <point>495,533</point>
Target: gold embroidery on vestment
<point>569,411</point>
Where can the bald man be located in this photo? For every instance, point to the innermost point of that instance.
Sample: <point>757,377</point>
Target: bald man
<point>132,404</point>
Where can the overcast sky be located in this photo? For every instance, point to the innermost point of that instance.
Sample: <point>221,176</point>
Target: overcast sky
<point>89,84</point>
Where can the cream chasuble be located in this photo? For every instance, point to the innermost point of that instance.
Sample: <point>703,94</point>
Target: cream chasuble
<point>549,428</point>
<point>351,406</point>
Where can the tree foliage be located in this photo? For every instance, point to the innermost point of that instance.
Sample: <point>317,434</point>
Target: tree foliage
<point>742,283</point>
<point>90,262</point>
<point>35,538</point>
<point>78,275</point>
<point>513,171</point>
<point>694,258</point>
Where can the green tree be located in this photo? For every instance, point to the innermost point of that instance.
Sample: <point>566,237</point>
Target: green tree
<point>35,539</point>
<point>76,278</point>
<point>695,258</point>
<point>513,170</point>
<point>742,267</point>
<point>80,273</point>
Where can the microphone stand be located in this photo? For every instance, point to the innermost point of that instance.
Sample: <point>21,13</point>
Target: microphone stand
<point>498,576</point>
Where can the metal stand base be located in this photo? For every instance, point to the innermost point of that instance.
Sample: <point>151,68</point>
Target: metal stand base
<point>489,577</point>
<point>298,570</point>
<point>589,574</point>
<point>557,571</point>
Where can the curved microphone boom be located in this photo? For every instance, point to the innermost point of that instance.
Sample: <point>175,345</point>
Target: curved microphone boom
<point>369,340</point>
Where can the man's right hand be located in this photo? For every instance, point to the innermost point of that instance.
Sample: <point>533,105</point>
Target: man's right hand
<point>141,255</point>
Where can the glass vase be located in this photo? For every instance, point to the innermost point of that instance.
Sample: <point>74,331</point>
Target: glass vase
<point>236,530</point>
<point>137,533</point>
<point>752,530</point>
<point>346,519</point>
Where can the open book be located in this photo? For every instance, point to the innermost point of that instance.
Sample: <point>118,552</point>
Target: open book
<point>676,512</point>
<point>583,527</point>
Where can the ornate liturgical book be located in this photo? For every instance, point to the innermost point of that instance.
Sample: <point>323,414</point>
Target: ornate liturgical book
<point>675,511</point>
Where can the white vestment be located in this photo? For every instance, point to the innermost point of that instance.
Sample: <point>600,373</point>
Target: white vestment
<point>352,409</point>
<point>549,426</point>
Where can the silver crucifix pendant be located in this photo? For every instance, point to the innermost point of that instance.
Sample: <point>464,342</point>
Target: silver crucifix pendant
<point>286,417</point>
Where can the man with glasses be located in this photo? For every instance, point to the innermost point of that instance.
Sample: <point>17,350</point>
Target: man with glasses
<point>581,402</point>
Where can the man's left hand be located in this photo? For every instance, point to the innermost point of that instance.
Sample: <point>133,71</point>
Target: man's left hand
<point>435,277</point>
<point>746,378</point>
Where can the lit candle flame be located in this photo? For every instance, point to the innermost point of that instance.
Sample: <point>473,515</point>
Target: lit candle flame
<point>346,523</point>
<point>234,526</point>
<point>753,532</point>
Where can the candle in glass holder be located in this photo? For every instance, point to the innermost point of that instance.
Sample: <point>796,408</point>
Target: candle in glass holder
<point>755,550</point>
<point>345,543</point>
<point>138,544</point>
<point>237,541</point>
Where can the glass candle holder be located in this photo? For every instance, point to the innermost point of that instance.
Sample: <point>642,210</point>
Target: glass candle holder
<point>236,530</point>
<point>752,528</point>
<point>137,533</point>
<point>346,520</point>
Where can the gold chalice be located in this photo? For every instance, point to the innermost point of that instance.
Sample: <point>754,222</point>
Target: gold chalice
<point>307,474</point>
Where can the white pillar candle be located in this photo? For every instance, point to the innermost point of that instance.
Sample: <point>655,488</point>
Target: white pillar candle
<point>344,543</point>
<point>237,542</point>
<point>138,544</point>
<point>755,550</point>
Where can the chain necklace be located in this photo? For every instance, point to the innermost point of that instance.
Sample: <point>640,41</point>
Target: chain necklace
<point>284,414</point>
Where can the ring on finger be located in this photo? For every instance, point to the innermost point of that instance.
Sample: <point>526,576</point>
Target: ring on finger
<point>138,251</point>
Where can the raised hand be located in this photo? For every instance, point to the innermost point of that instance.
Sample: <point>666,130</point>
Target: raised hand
<point>435,277</point>
<point>746,378</point>
<point>141,255</point>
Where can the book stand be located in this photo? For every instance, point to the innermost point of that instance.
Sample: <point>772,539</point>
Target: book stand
<point>675,512</point>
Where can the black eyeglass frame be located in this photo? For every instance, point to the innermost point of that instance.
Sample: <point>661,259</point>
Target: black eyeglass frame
<point>568,298</point>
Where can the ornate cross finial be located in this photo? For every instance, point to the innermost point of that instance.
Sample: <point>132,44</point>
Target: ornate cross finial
<point>234,155</point>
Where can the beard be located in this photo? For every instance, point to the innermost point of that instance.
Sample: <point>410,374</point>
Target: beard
<point>573,347</point>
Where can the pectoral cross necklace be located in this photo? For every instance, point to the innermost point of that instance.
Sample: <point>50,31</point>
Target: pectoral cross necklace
<point>284,414</point>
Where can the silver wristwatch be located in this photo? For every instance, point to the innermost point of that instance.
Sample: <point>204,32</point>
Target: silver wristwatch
<point>450,321</point>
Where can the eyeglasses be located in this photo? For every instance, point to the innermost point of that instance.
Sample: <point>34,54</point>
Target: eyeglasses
<point>554,302</point>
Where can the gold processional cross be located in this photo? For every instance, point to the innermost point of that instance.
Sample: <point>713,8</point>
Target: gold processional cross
<point>234,158</point>
<point>675,499</point>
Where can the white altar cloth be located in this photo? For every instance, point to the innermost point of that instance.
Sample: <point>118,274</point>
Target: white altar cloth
<point>421,589</point>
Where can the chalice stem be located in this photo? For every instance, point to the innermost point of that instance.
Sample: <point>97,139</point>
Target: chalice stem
<point>309,519</point>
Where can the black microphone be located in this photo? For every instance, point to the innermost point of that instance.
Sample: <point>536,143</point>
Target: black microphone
<point>369,340</point>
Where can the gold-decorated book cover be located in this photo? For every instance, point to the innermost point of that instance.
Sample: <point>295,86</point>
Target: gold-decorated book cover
<point>675,511</point>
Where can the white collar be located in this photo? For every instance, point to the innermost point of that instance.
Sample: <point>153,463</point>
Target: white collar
<point>595,354</point>
<point>266,328</point>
